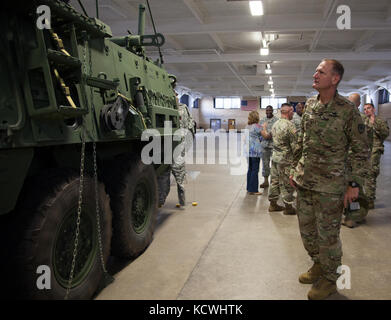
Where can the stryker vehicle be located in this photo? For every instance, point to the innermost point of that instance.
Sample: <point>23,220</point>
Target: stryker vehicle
<point>74,102</point>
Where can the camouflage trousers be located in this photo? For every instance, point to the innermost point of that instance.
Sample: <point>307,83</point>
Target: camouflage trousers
<point>370,183</point>
<point>266,155</point>
<point>179,172</point>
<point>280,183</point>
<point>319,217</point>
<point>164,184</point>
<point>360,214</point>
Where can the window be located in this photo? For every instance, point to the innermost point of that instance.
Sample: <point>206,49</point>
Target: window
<point>184,99</point>
<point>384,96</point>
<point>274,102</point>
<point>227,103</point>
<point>196,103</point>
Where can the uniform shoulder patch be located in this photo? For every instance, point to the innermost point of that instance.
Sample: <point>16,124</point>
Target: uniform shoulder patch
<point>361,128</point>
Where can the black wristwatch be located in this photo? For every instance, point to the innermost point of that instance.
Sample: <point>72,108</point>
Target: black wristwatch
<point>354,184</point>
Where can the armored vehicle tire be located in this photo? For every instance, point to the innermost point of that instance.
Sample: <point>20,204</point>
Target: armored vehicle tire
<point>134,197</point>
<point>50,235</point>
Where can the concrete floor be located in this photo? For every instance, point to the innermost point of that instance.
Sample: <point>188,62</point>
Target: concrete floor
<point>230,247</point>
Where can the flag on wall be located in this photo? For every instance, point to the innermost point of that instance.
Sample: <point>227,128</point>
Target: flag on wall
<point>249,105</point>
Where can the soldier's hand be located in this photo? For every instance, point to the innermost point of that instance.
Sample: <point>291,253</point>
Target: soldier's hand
<point>292,182</point>
<point>350,196</point>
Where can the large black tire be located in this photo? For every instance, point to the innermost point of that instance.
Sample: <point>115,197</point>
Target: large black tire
<point>49,214</point>
<point>134,198</point>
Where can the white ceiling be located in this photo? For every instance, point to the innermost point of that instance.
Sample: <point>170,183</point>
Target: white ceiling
<point>212,46</point>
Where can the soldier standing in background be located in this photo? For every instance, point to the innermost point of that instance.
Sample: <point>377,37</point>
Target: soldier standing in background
<point>380,133</point>
<point>284,144</point>
<point>297,116</point>
<point>178,169</point>
<point>330,125</point>
<point>267,145</point>
<point>356,216</point>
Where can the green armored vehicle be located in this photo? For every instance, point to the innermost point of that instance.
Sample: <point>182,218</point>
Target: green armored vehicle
<point>74,102</point>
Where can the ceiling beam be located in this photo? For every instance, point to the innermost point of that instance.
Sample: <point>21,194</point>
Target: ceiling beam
<point>195,10</point>
<point>175,43</point>
<point>218,41</point>
<point>273,23</point>
<point>327,7</point>
<point>281,56</point>
<point>130,10</point>
<point>388,16</point>
<point>365,41</point>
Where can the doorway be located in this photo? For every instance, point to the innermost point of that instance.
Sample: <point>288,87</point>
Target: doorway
<point>215,124</point>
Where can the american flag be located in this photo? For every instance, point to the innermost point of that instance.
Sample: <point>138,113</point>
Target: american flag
<point>249,105</point>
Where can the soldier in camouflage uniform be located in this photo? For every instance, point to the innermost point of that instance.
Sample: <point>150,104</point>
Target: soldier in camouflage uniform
<point>330,126</point>
<point>297,116</point>
<point>267,145</point>
<point>284,143</point>
<point>380,133</point>
<point>357,216</point>
<point>178,167</point>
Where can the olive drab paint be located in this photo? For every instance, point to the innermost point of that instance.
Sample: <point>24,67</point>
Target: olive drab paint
<point>66,82</point>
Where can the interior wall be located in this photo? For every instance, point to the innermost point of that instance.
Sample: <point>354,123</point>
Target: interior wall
<point>207,112</point>
<point>385,113</point>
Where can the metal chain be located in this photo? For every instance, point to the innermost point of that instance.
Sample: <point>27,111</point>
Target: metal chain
<point>96,175</point>
<point>83,148</point>
<point>85,56</point>
<point>97,210</point>
<point>82,182</point>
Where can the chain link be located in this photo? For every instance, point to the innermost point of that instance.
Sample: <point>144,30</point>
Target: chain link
<point>98,225</point>
<point>96,173</point>
<point>83,148</point>
<point>97,210</point>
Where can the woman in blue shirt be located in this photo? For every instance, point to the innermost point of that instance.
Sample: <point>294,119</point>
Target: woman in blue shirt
<point>254,152</point>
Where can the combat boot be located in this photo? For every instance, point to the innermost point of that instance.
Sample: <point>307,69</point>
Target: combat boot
<point>313,274</point>
<point>265,183</point>
<point>289,210</point>
<point>321,289</point>
<point>274,206</point>
<point>349,223</point>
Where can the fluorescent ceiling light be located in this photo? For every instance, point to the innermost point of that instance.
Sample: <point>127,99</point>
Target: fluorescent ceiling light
<point>268,66</point>
<point>270,82</point>
<point>268,71</point>
<point>271,90</point>
<point>273,95</point>
<point>264,51</point>
<point>264,42</point>
<point>256,8</point>
<point>270,78</point>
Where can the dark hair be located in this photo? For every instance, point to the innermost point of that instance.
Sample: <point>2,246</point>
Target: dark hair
<point>286,104</point>
<point>371,104</point>
<point>269,106</point>
<point>337,68</point>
